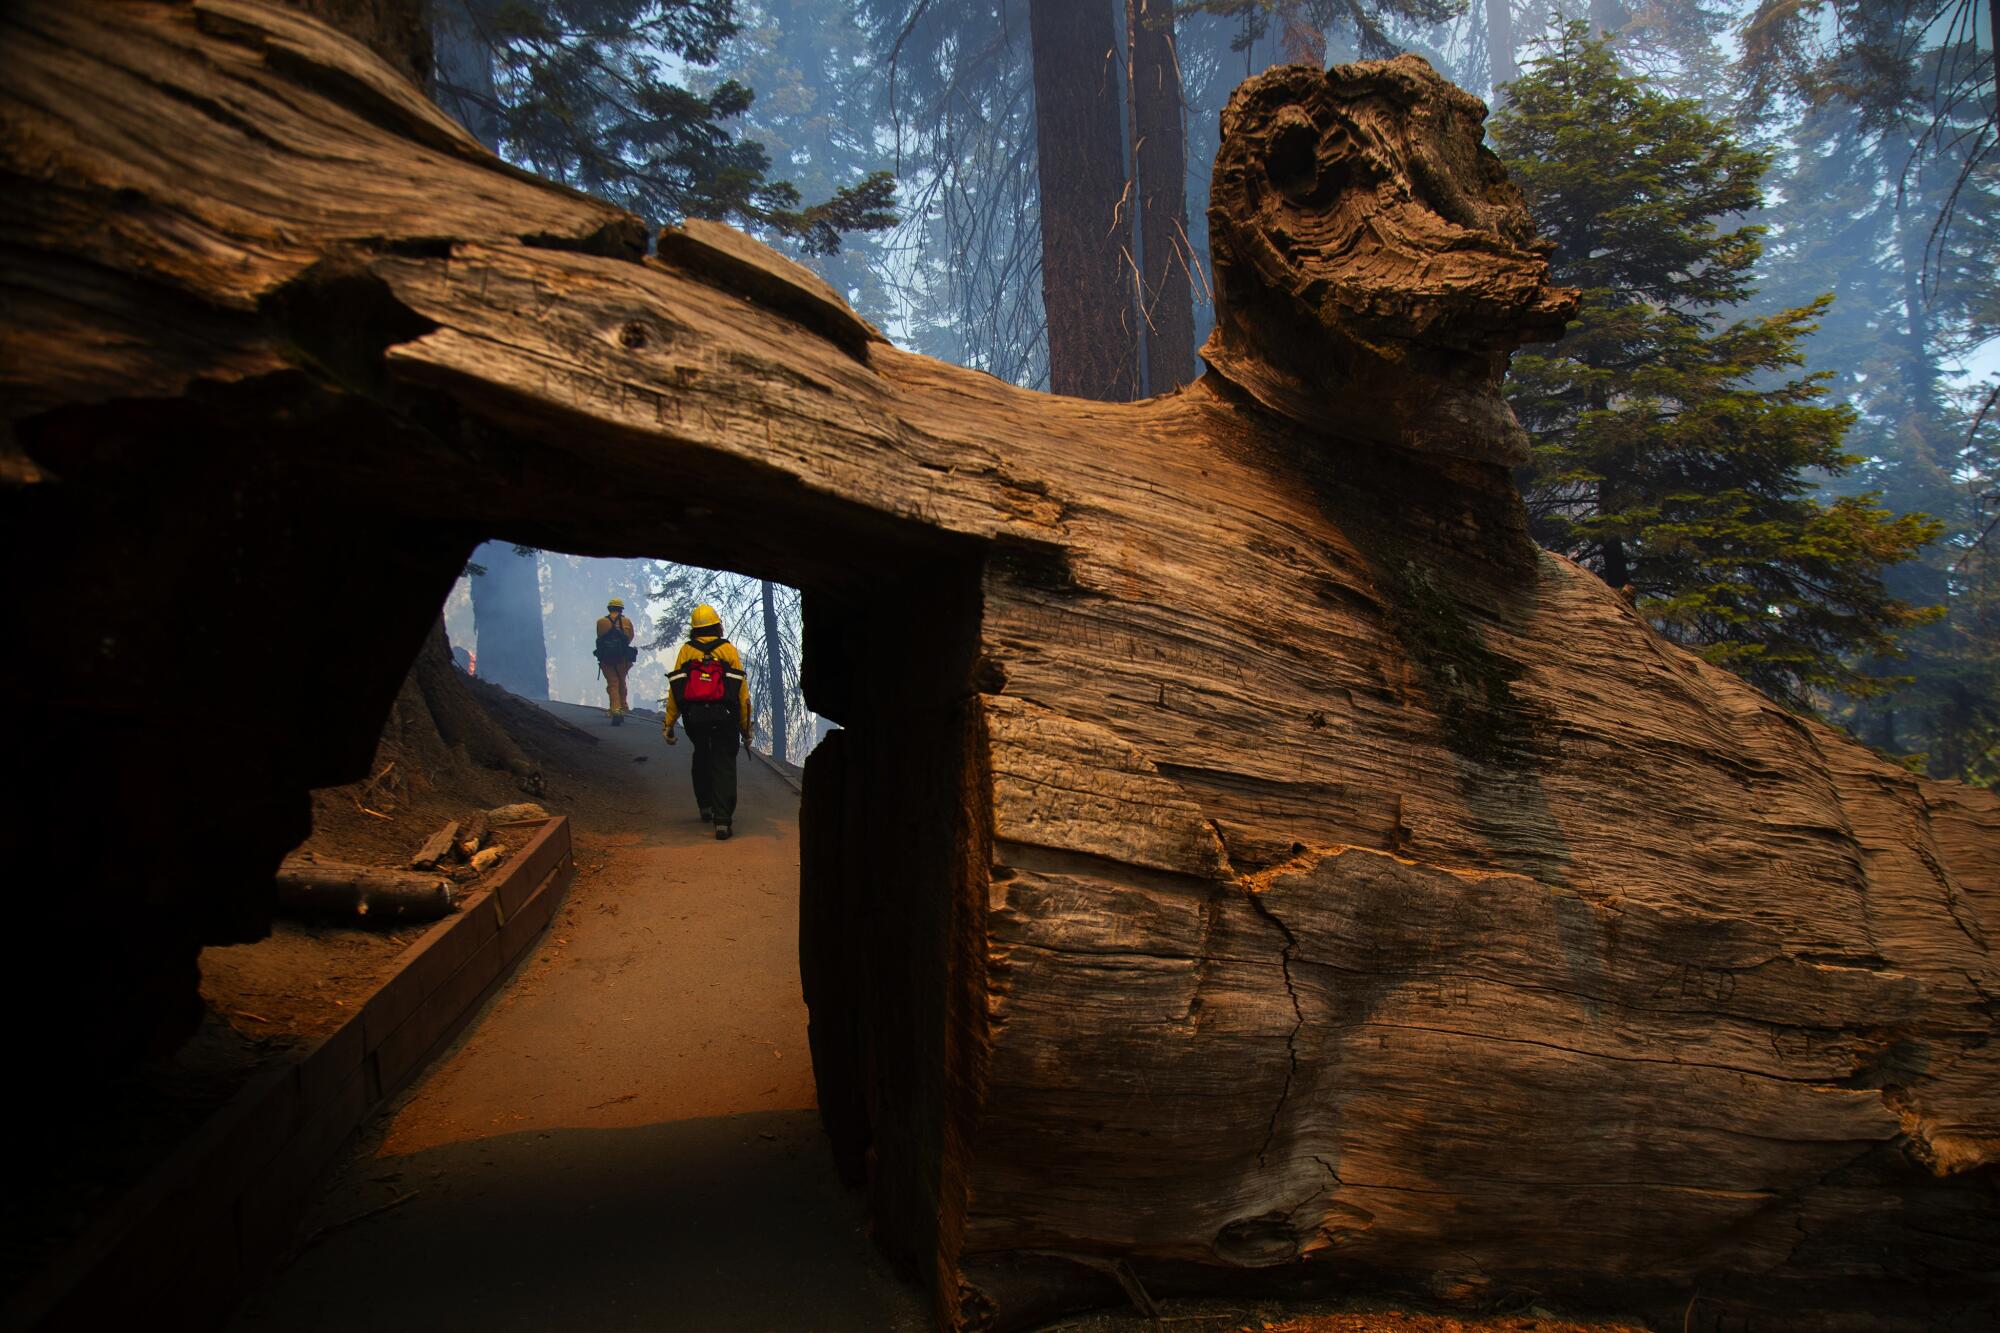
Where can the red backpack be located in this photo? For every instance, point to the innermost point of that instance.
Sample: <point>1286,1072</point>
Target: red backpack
<point>705,683</point>
<point>707,688</point>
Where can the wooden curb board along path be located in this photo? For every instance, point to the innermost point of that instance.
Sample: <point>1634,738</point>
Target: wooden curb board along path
<point>785,772</point>
<point>182,1248</point>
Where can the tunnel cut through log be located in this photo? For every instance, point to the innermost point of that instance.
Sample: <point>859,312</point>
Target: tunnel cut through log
<point>892,896</point>
<point>1274,873</point>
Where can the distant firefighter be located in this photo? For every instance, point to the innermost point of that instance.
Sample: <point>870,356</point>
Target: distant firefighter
<point>707,687</point>
<point>615,656</point>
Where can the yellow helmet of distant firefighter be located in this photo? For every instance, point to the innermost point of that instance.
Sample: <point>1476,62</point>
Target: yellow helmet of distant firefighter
<point>615,604</point>
<point>704,617</point>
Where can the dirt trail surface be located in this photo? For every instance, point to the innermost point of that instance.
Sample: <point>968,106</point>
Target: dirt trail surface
<point>626,1139</point>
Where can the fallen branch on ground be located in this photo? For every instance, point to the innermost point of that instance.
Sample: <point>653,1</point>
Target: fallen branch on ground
<point>436,847</point>
<point>310,886</point>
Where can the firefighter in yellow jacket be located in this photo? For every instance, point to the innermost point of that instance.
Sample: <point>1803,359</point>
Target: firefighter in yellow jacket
<point>615,656</point>
<point>708,688</point>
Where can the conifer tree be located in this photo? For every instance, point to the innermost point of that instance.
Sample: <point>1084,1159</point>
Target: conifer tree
<point>595,94</point>
<point>1889,194</point>
<point>1676,449</point>
<point>818,116</point>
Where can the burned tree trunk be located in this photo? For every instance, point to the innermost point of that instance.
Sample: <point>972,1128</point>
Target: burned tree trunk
<point>1500,67</point>
<point>395,30</point>
<point>463,83</point>
<point>1159,189</point>
<point>774,673</point>
<point>1086,279</point>
<point>507,620</point>
<point>1275,872</point>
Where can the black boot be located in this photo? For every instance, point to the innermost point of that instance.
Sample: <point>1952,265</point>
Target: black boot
<point>721,831</point>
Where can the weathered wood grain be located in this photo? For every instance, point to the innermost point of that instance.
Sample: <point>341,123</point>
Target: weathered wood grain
<point>723,255</point>
<point>1375,266</point>
<point>440,846</point>
<point>1272,871</point>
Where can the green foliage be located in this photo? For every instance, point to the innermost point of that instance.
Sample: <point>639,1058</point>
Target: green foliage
<point>818,115</point>
<point>1676,45</point>
<point>1944,715</point>
<point>593,93</point>
<point>1890,195</point>
<point>1674,452</point>
<point>1865,53</point>
<point>957,101</point>
<point>1628,183</point>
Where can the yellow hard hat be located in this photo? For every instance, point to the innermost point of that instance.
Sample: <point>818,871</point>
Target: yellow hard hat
<point>616,604</point>
<point>704,616</point>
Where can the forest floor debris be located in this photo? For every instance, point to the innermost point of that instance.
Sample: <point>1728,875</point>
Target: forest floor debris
<point>268,999</point>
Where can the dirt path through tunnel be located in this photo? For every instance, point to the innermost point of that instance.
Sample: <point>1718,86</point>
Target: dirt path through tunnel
<point>627,1138</point>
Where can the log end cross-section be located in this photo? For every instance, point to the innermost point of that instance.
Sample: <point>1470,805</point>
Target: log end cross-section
<point>1373,265</point>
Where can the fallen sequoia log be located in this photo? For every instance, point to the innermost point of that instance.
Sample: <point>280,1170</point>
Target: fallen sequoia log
<point>308,886</point>
<point>1269,872</point>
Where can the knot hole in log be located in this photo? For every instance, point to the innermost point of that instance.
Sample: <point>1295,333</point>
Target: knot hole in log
<point>1294,165</point>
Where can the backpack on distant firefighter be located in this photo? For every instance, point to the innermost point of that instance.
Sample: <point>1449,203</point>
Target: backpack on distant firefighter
<point>707,689</point>
<point>615,645</point>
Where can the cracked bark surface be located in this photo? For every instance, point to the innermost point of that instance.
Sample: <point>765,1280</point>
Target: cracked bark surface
<point>1275,873</point>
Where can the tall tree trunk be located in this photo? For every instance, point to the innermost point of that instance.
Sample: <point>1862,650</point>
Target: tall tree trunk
<point>507,598</point>
<point>1159,169</point>
<point>507,621</point>
<point>774,674</point>
<point>463,84</point>
<point>1920,374</point>
<point>1500,46</point>
<point>1957,722</point>
<point>1080,152</point>
<point>396,30</point>
<point>1617,569</point>
<point>1885,730</point>
<point>1993,36</point>
<point>570,610</point>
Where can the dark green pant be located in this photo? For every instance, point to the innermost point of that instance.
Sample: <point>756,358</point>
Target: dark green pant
<point>715,768</point>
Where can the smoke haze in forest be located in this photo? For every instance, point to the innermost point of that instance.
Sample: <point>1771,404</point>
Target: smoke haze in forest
<point>659,596</point>
<point>916,154</point>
